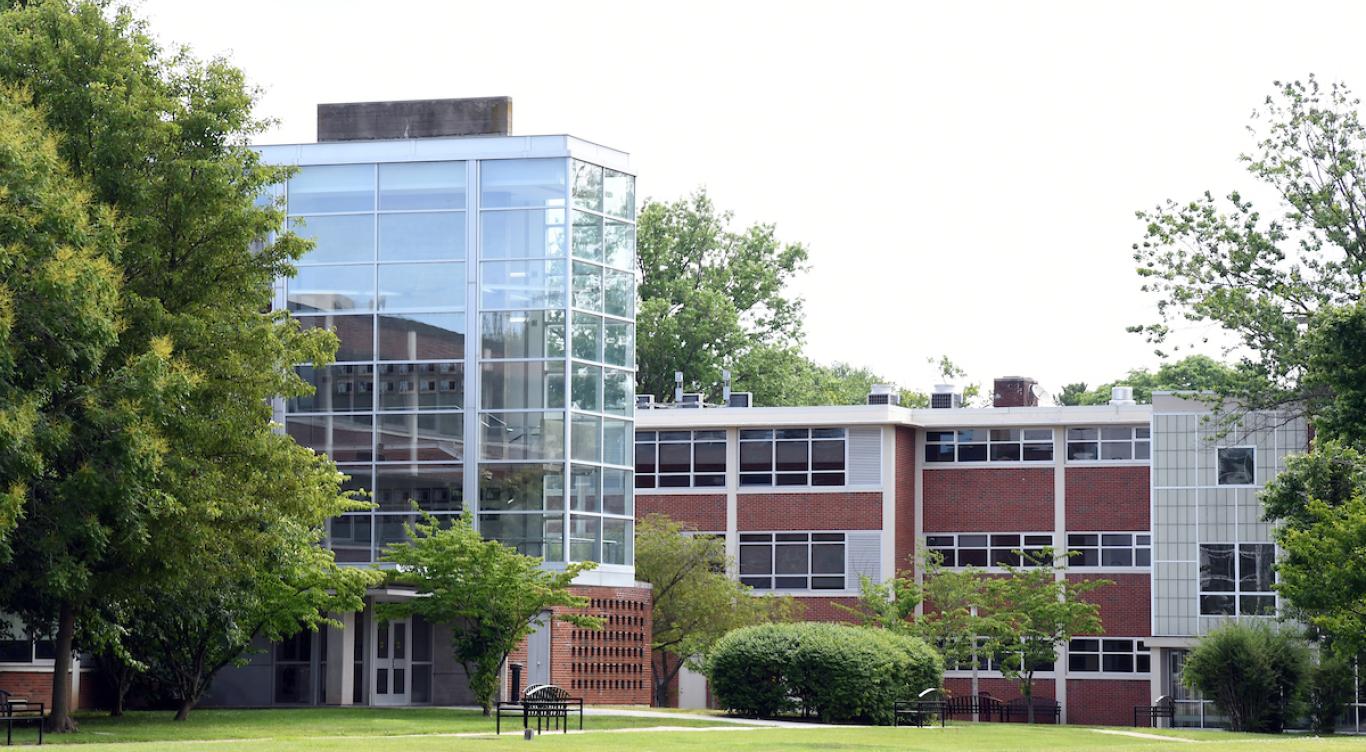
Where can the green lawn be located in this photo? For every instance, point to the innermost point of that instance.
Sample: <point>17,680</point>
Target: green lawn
<point>424,730</point>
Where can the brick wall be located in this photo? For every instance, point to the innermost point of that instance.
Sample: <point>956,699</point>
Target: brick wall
<point>36,686</point>
<point>988,499</point>
<point>817,608</point>
<point>703,512</point>
<point>1107,498</point>
<point>1125,606</point>
<point>905,499</point>
<point>1106,702</point>
<point>860,510</point>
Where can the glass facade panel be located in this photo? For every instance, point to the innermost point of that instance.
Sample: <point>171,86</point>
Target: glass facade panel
<point>523,334</point>
<point>521,488</point>
<point>522,284</point>
<point>587,286</point>
<point>531,534</point>
<point>415,386</point>
<point>420,437</point>
<point>588,236</point>
<point>423,236</point>
<point>421,185</point>
<point>434,488</point>
<point>332,188</point>
<point>422,336</point>
<point>619,293</point>
<point>587,186</point>
<point>355,334</point>
<point>344,438</point>
<point>619,344</point>
<point>322,289</point>
<point>522,436</point>
<point>421,287</point>
<point>522,385</point>
<point>619,241</point>
<point>506,183</point>
<point>338,238</point>
<point>336,389</point>
<point>587,337</point>
<point>619,194</point>
<point>532,233</point>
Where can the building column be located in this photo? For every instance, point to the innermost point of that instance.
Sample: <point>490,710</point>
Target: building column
<point>341,649</point>
<point>1060,547</point>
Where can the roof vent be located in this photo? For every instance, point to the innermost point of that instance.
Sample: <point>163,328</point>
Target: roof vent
<point>1014,391</point>
<point>645,401</point>
<point>1122,395</point>
<point>945,397</point>
<point>883,394</point>
<point>739,399</point>
<point>690,399</point>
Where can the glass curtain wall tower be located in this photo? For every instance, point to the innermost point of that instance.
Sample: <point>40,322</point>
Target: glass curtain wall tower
<point>483,291</point>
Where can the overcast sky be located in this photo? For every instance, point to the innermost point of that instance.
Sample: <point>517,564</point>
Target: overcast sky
<point>964,174</point>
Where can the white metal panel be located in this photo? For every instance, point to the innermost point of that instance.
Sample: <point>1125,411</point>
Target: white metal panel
<point>864,464</point>
<point>863,556</point>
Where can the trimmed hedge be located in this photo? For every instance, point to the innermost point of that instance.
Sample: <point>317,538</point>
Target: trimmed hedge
<point>840,672</point>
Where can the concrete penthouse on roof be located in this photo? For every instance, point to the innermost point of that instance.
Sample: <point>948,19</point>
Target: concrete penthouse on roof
<point>1149,496</point>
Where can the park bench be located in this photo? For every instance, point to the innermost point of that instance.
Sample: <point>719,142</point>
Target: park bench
<point>18,710</point>
<point>925,707</point>
<point>979,706</point>
<point>548,704</point>
<point>1165,707</point>
<point>1018,709</point>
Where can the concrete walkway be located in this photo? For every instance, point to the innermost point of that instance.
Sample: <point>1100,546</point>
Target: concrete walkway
<point>589,712</point>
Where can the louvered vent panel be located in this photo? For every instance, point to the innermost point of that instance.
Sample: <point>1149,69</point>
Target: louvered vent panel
<point>865,457</point>
<point>863,552</point>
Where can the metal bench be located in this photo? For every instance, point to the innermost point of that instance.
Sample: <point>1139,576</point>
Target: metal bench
<point>18,710</point>
<point>548,704</point>
<point>1018,708</point>
<point>927,705</point>
<point>1165,707</point>
<point>980,706</point>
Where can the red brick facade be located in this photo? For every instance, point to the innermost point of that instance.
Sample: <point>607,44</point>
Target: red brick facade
<point>859,510</point>
<point>988,499</point>
<point>1125,606</point>
<point>1107,498</point>
<point>905,498</point>
<point>36,686</point>
<point>704,512</point>
<point>1106,702</point>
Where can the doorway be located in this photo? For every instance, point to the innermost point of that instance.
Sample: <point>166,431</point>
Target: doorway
<point>402,661</point>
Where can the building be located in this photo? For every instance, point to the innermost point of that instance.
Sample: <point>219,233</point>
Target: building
<point>1157,498</point>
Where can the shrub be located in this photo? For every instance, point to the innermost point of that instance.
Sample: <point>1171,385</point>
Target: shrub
<point>1252,672</point>
<point>1329,689</point>
<point>839,672</point>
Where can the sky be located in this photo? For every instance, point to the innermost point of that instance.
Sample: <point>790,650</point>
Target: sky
<point>965,175</point>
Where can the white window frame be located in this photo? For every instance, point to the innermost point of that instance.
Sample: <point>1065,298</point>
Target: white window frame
<point>990,547</point>
<point>1137,648</point>
<point>772,543</point>
<point>989,441</point>
<point>1134,547</point>
<point>773,472</point>
<point>1217,472</point>
<point>1139,435</point>
<point>989,666</point>
<point>1237,592</point>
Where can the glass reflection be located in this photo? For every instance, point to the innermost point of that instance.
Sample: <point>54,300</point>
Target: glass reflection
<point>422,185</point>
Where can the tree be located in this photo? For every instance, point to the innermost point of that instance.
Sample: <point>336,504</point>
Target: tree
<point>1030,613</point>
<point>1265,278</point>
<point>695,601</point>
<point>784,376</point>
<point>492,596</point>
<point>177,409</point>
<point>1193,373</point>
<point>708,294</point>
<point>1253,673</point>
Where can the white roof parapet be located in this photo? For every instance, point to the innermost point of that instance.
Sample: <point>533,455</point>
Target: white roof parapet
<point>443,148</point>
<point>879,415</point>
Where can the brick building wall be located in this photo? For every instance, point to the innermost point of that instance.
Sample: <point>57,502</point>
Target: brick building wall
<point>1125,605</point>
<point>1107,498</point>
<point>1106,702</point>
<point>905,534</point>
<point>705,512</point>
<point>988,499</point>
<point>36,686</point>
<point>854,510</point>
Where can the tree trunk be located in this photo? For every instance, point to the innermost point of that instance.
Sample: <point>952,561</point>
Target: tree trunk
<point>183,710</point>
<point>1029,699</point>
<point>662,679</point>
<point>60,720</point>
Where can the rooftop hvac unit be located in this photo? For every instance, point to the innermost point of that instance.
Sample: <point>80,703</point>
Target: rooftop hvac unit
<point>945,398</point>
<point>645,401</point>
<point>1122,395</point>
<point>740,399</point>
<point>690,399</point>
<point>883,394</point>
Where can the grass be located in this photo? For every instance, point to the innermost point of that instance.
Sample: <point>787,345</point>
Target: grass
<point>429,729</point>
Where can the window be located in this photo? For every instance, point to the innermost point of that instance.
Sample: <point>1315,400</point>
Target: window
<point>992,662</point>
<point>680,459</point>
<point>1108,443</point>
<point>27,651</point>
<point>1237,466</point>
<point>792,457</point>
<point>1111,655</point>
<point>1110,549</point>
<point>1236,580</point>
<point>792,561</point>
<point>989,445</point>
<point>989,549</point>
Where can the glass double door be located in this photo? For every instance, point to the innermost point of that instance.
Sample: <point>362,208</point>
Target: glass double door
<point>401,662</point>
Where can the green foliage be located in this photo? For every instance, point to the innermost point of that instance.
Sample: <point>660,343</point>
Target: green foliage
<point>708,294</point>
<point>165,445</point>
<point>1333,473</point>
<point>1336,373</point>
<point>1252,671</point>
<point>783,376</point>
<point>841,673</point>
<point>1331,684</point>
<point>1030,612</point>
<point>1320,570</point>
<point>493,596</point>
<point>695,602</point>
<point>1193,373</point>
<point>1265,277</point>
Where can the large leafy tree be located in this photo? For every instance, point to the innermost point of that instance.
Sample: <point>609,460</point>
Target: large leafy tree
<point>1196,373</point>
<point>492,596</point>
<point>784,376</point>
<point>709,294</point>
<point>184,440</point>
<point>695,602</point>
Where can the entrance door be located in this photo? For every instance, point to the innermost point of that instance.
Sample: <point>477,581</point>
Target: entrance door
<point>392,662</point>
<point>538,653</point>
